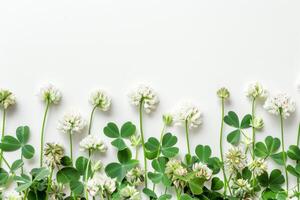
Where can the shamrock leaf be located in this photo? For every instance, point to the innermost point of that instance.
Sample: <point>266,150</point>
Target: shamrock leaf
<point>294,153</point>
<point>232,120</point>
<point>216,184</point>
<point>269,148</point>
<point>167,147</point>
<point>203,153</point>
<point>76,187</point>
<point>127,130</point>
<point>294,170</point>
<point>274,181</point>
<point>119,170</point>
<point>3,176</point>
<point>67,174</point>
<point>81,165</point>
<point>9,143</point>
<point>196,185</point>
<point>279,158</point>
<point>159,175</point>
<point>152,147</point>
<point>150,193</point>
<point>16,165</point>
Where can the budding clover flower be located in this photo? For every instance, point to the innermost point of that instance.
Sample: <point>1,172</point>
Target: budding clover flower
<point>72,123</point>
<point>92,143</point>
<point>235,160</point>
<point>7,98</point>
<point>168,119</point>
<point>135,140</point>
<point>202,171</point>
<point>257,123</point>
<point>130,193</point>
<point>258,167</point>
<point>13,195</point>
<point>223,93</point>
<point>175,169</point>
<point>187,113</point>
<point>256,90</point>
<point>241,188</point>
<point>280,104</point>
<point>144,95</point>
<point>135,176</point>
<point>101,100</point>
<point>53,154</point>
<point>50,94</point>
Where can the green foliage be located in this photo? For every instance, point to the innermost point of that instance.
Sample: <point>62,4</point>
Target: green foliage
<point>216,184</point>
<point>159,165</point>
<point>232,120</point>
<point>67,174</point>
<point>112,131</point>
<point>196,185</point>
<point>273,182</point>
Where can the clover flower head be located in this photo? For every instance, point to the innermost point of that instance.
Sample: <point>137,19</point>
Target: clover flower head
<point>223,93</point>
<point>50,94</point>
<point>258,166</point>
<point>135,140</point>
<point>56,191</point>
<point>130,193</point>
<point>168,119</point>
<point>175,169</point>
<point>13,195</point>
<point>135,176</point>
<point>7,98</point>
<point>256,90</point>
<point>101,100</point>
<point>53,153</point>
<point>202,171</point>
<point>235,160</point>
<point>257,123</point>
<point>280,104</point>
<point>72,123</point>
<point>188,114</point>
<point>92,143</point>
<point>146,96</point>
<point>100,183</point>
<point>241,188</point>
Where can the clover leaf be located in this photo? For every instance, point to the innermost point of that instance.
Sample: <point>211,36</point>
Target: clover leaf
<point>232,120</point>
<point>294,152</point>
<point>274,181</point>
<point>294,170</point>
<point>10,143</point>
<point>196,185</point>
<point>67,174</point>
<point>203,153</point>
<point>216,184</point>
<point>3,176</point>
<point>81,165</point>
<point>159,175</point>
<point>119,170</point>
<point>112,131</point>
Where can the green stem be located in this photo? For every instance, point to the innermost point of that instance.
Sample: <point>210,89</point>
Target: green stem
<point>42,133</point>
<point>143,141</point>
<point>86,178</point>
<point>49,182</point>
<point>298,180</point>
<point>3,130</point>
<point>137,152</point>
<point>160,140</point>
<point>90,124</point>
<point>283,152</point>
<point>25,195</point>
<point>253,128</point>
<point>221,147</point>
<point>187,136</point>
<point>6,163</point>
<point>71,147</point>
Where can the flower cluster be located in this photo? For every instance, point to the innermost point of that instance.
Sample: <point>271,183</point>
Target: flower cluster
<point>189,114</point>
<point>72,123</point>
<point>50,94</point>
<point>7,98</point>
<point>93,143</point>
<point>100,100</point>
<point>101,184</point>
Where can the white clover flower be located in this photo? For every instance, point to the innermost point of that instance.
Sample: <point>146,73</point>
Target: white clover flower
<point>50,94</point>
<point>53,153</point>
<point>235,160</point>
<point>187,113</point>
<point>175,169</point>
<point>72,123</point>
<point>241,188</point>
<point>202,171</point>
<point>101,183</point>
<point>13,195</point>
<point>92,143</point>
<point>101,100</point>
<point>145,95</point>
<point>280,104</point>
<point>7,98</point>
<point>256,90</point>
<point>135,176</point>
<point>257,123</point>
<point>258,167</point>
<point>130,193</point>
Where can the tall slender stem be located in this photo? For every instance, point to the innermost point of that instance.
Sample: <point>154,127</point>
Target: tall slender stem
<point>86,178</point>
<point>298,180</point>
<point>42,133</point>
<point>90,124</point>
<point>71,147</point>
<point>221,146</point>
<point>3,133</point>
<point>49,182</point>
<point>187,136</point>
<point>143,141</point>
<point>7,164</point>
<point>253,128</point>
<point>283,152</point>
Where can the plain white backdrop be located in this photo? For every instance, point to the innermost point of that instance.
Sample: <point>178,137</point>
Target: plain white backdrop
<point>185,50</point>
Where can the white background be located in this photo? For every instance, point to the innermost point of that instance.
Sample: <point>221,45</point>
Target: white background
<point>183,49</point>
